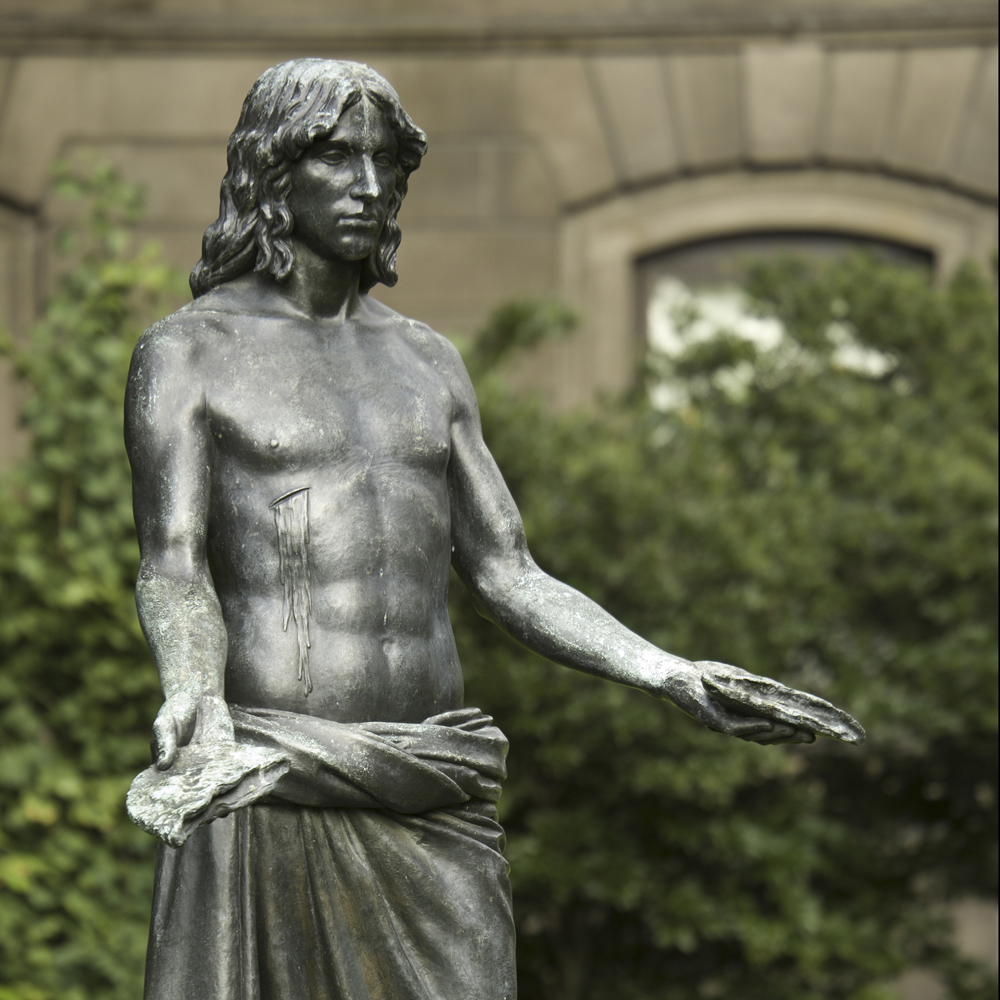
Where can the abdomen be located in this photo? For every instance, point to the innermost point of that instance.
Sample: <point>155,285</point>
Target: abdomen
<point>354,676</point>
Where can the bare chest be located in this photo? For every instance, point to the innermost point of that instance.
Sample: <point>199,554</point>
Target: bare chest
<point>276,410</point>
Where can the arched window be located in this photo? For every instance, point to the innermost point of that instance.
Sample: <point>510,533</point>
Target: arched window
<point>722,261</point>
<point>611,253</point>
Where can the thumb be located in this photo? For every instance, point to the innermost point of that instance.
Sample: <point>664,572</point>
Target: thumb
<point>165,740</point>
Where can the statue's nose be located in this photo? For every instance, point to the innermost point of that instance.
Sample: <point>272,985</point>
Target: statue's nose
<point>366,180</point>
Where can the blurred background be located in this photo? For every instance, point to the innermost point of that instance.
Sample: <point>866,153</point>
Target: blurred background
<point>572,141</point>
<point>628,159</point>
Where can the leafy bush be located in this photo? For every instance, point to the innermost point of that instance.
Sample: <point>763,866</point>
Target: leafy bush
<point>808,521</point>
<point>823,515</point>
<point>78,691</point>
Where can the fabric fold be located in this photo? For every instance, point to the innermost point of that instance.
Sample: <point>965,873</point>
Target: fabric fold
<point>373,870</point>
<point>406,767</point>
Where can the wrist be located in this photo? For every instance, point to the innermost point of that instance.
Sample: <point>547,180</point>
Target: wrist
<point>673,674</point>
<point>194,686</point>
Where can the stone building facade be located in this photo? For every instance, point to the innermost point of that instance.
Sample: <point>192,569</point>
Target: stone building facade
<point>569,139</point>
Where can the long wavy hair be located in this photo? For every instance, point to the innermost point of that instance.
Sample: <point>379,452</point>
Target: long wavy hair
<point>289,108</point>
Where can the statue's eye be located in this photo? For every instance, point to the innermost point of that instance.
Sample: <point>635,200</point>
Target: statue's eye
<point>335,157</point>
<point>384,159</point>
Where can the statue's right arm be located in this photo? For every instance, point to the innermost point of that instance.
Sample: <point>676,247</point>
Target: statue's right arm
<point>169,448</point>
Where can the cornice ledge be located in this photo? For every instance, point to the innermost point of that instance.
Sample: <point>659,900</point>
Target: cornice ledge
<point>934,23</point>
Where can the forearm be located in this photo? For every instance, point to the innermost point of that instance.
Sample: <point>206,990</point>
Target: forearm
<point>563,625</point>
<point>182,621</point>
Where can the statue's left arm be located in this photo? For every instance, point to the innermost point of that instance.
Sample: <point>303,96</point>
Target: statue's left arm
<point>491,556</point>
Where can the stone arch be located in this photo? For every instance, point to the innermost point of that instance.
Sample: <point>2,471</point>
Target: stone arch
<point>612,123</point>
<point>599,245</point>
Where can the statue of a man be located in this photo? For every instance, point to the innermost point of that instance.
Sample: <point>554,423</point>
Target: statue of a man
<point>308,465</point>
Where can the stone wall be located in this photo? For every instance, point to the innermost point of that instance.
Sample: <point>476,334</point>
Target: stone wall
<point>565,138</point>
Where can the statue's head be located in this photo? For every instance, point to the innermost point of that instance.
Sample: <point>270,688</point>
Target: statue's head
<point>289,108</point>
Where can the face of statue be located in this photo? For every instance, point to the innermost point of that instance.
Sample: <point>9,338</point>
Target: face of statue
<point>341,186</point>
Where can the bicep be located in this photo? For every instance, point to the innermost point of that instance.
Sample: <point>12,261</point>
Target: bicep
<point>489,545</point>
<point>169,448</point>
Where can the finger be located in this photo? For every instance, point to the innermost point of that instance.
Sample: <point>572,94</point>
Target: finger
<point>779,732</point>
<point>746,728</point>
<point>798,736</point>
<point>165,741</point>
<point>803,736</point>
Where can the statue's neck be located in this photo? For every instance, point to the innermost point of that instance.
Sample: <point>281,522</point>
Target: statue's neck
<point>321,288</point>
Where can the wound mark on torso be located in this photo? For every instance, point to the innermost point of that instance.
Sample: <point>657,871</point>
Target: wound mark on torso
<point>291,518</point>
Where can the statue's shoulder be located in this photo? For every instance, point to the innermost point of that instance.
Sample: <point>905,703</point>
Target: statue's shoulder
<point>186,334</point>
<point>175,351</point>
<point>421,338</point>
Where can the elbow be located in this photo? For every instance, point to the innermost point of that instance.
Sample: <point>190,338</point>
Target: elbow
<point>175,562</point>
<point>175,594</point>
<point>499,584</point>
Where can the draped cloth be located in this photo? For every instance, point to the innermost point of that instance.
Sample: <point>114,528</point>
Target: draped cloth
<point>373,871</point>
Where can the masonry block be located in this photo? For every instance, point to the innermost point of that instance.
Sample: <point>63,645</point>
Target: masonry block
<point>933,99</point>
<point>861,89</point>
<point>633,99</point>
<point>783,89</point>
<point>976,160</point>
<point>556,107</point>
<point>706,98</point>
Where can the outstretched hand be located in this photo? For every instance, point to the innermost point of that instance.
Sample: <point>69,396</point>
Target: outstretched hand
<point>187,718</point>
<point>734,701</point>
<point>687,690</point>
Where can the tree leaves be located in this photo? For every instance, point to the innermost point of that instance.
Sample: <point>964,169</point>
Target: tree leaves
<point>827,526</point>
<point>77,687</point>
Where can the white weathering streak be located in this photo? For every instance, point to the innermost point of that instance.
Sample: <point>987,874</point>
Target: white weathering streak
<point>291,518</point>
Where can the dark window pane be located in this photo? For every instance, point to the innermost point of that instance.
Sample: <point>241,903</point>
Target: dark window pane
<point>723,260</point>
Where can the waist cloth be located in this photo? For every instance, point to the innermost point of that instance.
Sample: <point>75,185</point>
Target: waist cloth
<point>373,871</point>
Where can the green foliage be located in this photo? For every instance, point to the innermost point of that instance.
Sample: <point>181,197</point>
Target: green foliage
<point>797,517</point>
<point>806,519</point>
<point>516,325</point>
<point>77,688</point>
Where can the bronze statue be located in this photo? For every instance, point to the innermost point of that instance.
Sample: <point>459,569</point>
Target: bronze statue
<point>308,465</point>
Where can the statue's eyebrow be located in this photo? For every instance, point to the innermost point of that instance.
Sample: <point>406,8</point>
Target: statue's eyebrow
<point>325,145</point>
<point>321,146</point>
